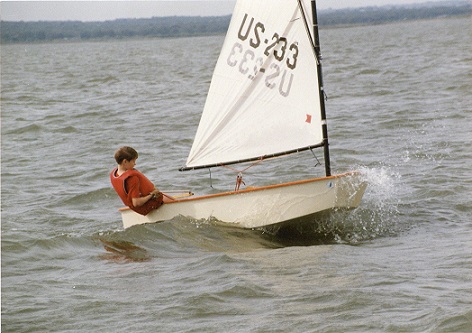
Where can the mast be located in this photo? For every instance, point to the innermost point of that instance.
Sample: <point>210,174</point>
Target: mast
<point>321,89</point>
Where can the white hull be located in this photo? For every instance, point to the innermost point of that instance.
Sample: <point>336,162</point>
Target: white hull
<point>262,206</point>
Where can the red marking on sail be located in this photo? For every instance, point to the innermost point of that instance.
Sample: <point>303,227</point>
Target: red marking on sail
<point>308,118</point>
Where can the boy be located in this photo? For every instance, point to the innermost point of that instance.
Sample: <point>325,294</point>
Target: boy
<point>135,189</point>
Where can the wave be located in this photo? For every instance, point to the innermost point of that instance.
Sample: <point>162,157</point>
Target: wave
<point>105,79</point>
<point>30,128</point>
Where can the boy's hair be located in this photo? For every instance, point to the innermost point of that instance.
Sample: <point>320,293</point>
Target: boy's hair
<point>125,153</point>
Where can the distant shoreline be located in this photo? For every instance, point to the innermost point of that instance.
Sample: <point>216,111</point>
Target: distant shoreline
<point>189,26</point>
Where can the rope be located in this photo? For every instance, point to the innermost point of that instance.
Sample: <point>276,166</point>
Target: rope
<point>317,160</point>
<point>239,177</point>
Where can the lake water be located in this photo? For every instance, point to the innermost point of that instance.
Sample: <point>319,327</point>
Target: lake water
<point>399,109</point>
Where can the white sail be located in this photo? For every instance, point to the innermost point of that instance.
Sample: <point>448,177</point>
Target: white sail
<point>264,94</point>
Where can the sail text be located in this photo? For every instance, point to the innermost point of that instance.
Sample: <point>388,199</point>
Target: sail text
<point>258,53</point>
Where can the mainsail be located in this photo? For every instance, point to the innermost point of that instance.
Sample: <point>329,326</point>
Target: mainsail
<point>264,95</point>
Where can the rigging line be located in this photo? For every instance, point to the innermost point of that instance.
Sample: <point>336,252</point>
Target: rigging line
<point>317,160</point>
<point>211,180</point>
<point>228,167</point>
<point>241,171</point>
<point>253,164</point>
<point>239,177</point>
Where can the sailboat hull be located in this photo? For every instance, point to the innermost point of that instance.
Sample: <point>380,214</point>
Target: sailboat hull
<point>262,206</point>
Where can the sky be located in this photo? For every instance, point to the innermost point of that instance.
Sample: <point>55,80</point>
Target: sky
<point>110,10</point>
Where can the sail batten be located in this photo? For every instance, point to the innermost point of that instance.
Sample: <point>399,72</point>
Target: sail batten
<point>264,96</point>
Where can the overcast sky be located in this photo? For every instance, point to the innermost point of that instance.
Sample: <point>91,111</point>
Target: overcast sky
<point>110,10</point>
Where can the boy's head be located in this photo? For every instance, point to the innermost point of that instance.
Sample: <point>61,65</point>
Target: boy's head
<point>125,153</point>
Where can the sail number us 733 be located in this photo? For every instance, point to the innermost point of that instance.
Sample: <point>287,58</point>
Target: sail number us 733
<point>278,73</point>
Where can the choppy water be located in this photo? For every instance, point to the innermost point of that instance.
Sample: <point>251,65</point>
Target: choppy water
<point>399,109</point>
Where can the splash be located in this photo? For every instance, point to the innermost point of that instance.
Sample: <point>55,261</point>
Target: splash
<point>377,216</point>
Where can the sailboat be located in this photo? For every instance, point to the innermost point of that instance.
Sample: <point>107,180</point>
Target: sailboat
<point>265,100</point>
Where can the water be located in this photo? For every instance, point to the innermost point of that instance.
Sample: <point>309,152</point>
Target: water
<point>399,108</point>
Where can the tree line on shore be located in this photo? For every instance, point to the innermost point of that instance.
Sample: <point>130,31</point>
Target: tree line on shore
<point>187,26</point>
